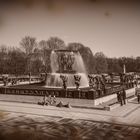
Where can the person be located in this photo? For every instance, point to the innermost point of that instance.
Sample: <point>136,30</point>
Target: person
<point>119,98</point>
<point>123,94</point>
<point>44,100</point>
<point>54,99</point>
<point>49,99</point>
<point>137,92</point>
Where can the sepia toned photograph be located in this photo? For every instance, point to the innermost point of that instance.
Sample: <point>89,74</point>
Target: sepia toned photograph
<point>69,70</point>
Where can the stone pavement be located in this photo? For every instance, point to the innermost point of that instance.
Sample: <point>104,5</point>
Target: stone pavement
<point>55,128</point>
<point>128,114</point>
<point>31,121</point>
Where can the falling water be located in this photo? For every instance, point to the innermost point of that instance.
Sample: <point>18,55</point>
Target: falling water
<point>54,80</point>
<point>54,63</point>
<point>79,64</point>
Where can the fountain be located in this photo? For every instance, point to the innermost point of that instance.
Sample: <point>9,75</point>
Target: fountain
<point>66,66</point>
<point>68,82</point>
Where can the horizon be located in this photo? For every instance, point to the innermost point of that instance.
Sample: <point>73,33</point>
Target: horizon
<point>103,26</point>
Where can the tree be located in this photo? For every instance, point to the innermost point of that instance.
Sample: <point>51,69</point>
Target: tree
<point>101,63</point>
<point>45,53</point>
<point>137,64</point>
<point>36,66</point>
<point>113,65</point>
<point>43,45</point>
<point>3,59</point>
<point>75,46</point>
<point>55,43</point>
<point>86,54</point>
<point>28,44</point>
<point>16,62</point>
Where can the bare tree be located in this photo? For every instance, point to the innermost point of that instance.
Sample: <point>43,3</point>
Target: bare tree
<point>28,44</point>
<point>55,43</point>
<point>43,45</point>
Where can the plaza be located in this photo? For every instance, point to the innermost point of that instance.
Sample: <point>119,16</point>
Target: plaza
<point>69,123</point>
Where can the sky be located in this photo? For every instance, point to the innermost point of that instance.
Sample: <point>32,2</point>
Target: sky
<point>110,26</point>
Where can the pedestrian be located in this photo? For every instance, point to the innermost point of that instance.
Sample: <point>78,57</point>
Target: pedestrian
<point>119,98</point>
<point>137,93</point>
<point>123,94</point>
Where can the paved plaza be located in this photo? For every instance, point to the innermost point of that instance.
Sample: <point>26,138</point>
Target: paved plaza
<point>127,114</point>
<point>56,123</point>
<point>70,123</point>
<point>61,123</point>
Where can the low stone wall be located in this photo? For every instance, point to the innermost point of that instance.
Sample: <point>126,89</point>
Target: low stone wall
<point>129,92</point>
<point>104,99</point>
<point>98,101</point>
<point>83,103</point>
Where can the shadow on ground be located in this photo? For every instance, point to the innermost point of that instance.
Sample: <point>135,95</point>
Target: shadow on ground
<point>28,128</point>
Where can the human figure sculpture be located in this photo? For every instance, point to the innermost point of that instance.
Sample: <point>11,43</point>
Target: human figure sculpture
<point>121,77</point>
<point>43,77</point>
<point>29,77</point>
<point>91,80</point>
<point>77,80</point>
<point>98,85</point>
<point>103,84</point>
<point>70,62</point>
<point>65,62</point>
<point>5,80</point>
<point>64,79</point>
<point>46,76</point>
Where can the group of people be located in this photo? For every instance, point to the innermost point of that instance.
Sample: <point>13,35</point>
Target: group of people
<point>121,96</point>
<point>48,100</point>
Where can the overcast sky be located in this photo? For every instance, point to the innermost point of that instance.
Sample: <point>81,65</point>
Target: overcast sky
<point>109,26</point>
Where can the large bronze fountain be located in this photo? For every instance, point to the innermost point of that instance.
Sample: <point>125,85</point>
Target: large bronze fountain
<point>67,70</point>
<point>68,79</point>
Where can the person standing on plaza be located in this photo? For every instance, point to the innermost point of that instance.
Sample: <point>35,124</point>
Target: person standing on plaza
<point>119,98</point>
<point>137,93</point>
<point>123,94</point>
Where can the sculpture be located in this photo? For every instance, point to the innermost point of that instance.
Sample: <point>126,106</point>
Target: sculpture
<point>65,62</point>
<point>77,80</point>
<point>64,79</point>
<point>91,80</point>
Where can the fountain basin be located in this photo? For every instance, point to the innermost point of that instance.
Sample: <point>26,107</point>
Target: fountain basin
<point>53,80</point>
